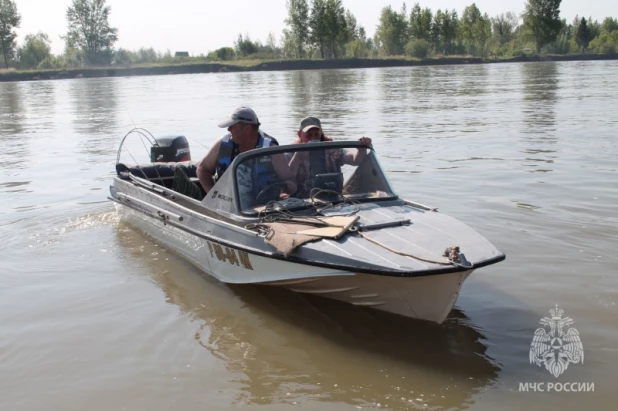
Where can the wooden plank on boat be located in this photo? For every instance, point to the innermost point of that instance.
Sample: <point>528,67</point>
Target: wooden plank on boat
<point>329,232</point>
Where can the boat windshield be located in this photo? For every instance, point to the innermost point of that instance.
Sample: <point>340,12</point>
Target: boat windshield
<point>297,176</point>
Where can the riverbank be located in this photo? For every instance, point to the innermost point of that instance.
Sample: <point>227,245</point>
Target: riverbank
<point>277,65</point>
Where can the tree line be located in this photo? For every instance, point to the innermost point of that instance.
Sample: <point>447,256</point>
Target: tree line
<point>325,29</point>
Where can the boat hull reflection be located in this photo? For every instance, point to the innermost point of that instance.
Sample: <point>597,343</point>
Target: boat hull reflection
<point>281,347</point>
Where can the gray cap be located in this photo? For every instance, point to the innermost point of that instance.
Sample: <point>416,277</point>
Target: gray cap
<point>241,114</point>
<point>308,123</point>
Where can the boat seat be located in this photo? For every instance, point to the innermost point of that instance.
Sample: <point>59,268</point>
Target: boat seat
<point>159,173</point>
<point>184,185</point>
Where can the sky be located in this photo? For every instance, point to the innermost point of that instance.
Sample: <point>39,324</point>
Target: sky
<point>200,26</point>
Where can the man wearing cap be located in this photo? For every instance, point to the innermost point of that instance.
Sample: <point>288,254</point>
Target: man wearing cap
<point>244,135</point>
<point>307,124</point>
<point>311,130</point>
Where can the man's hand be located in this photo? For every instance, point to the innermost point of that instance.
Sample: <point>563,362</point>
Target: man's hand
<point>207,167</point>
<point>288,191</point>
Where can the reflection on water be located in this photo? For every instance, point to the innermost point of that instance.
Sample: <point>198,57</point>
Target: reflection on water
<point>11,109</point>
<point>41,99</point>
<point>298,83</point>
<point>249,81</point>
<point>12,113</point>
<point>94,113</point>
<point>393,89</point>
<point>15,186</point>
<point>540,86</point>
<point>473,79</point>
<point>325,94</point>
<point>288,347</point>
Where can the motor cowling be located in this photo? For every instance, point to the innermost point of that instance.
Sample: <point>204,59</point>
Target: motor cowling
<point>170,149</point>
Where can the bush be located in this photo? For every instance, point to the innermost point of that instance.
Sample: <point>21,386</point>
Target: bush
<point>606,43</point>
<point>560,46</point>
<point>73,58</point>
<point>224,53</point>
<point>123,57</point>
<point>607,48</point>
<point>36,48</point>
<point>52,63</point>
<point>146,55</point>
<point>417,48</point>
<point>357,48</point>
<point>261,56</point>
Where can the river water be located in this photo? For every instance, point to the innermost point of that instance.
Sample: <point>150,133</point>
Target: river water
<point>95,315</point>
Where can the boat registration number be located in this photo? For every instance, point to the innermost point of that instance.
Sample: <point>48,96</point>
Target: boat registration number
<point>230,255</point>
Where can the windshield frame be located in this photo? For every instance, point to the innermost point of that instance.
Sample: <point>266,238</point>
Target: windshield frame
<point>287,148</point>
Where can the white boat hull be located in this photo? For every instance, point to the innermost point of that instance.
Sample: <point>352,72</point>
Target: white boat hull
<point>429,297</point>
<point>426,297</point>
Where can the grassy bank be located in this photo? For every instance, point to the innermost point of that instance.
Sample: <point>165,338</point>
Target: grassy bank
<point>274,65</point>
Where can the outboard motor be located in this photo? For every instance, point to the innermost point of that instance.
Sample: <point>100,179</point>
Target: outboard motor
<point>170,149</point>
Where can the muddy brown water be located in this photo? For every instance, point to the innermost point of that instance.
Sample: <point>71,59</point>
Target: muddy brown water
<point>95,315</point>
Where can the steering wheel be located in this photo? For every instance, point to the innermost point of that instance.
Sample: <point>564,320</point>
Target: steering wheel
<point>272,191</point>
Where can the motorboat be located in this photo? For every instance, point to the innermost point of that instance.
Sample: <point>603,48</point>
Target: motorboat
<point>331,225</point>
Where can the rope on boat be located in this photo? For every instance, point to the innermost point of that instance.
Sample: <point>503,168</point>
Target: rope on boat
<point>454,257</point>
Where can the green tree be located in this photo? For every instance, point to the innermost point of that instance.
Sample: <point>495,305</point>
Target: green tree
<point>392,31</point>
<point>336,30</point>
<point>420,22</point>
<point>362,34</point>
<point>318,35</point>
<point>444,31</point>
<point>89,30</point>
<point>328,29</point>
<point>542,22</point>
<point>564,40</point>
<point>594,26</point>
<point>36,48</point>
<point>437,32</point>
<point>360,46</point>
<point>609,24</point>
<point>271,43</point>
<point>245,47</point>
<point>298,33</point>
<point>351,26</point>
<point>583,35</point>
<point>475,30</point>
<point>288,45</point>
<point>504,26</point>
<point>9,21</point>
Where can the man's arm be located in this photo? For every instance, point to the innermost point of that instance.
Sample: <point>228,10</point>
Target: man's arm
<point>282,168</point>
<point>207,167</point>
<point>359,155</point>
